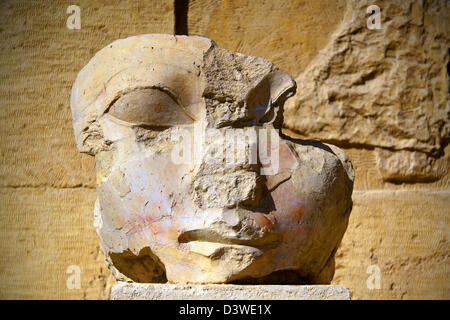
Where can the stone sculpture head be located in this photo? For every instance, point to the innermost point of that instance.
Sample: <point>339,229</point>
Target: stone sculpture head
<point>275,217</point>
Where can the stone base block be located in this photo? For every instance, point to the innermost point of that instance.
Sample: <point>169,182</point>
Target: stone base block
<point>153,291</point>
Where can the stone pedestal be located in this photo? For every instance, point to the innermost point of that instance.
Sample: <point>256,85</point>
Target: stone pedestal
<point>141,291</point>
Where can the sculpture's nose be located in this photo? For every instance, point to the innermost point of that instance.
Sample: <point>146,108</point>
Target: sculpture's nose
<point>240,188</point>
<point>228,175</point>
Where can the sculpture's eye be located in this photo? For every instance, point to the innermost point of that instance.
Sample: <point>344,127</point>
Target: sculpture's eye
<point>151,107</point>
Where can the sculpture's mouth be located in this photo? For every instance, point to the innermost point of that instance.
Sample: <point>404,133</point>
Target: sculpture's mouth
<point>260,241</point>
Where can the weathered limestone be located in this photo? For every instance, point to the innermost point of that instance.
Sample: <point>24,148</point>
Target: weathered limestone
<point>385,88</point>
<point>139,291</point>
<point>405,165</point>
<point>181,201</point>
<point>47,188</point>
<point>40,62</point>
<point>405,234</point>
<point>60,214</point>
<point>289,33</point>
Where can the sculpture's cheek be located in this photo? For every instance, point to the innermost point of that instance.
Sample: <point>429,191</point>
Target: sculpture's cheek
<point>288,203</point>
<point>149,199</point>
<point>159,232</point>
<point>266,222</point>
<point>292,212</point>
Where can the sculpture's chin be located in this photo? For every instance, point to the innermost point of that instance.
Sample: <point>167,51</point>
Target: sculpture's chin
<point>217,262</point>
<point>255,238</point>
<point>211,262</point>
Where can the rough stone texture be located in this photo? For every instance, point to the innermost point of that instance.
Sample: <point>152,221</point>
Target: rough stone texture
<point>383,88</point>
<point>219,219</point>
<point>139,291</point>
<point>40,59</point>
<point>405,165</point>
<point>381,94</point>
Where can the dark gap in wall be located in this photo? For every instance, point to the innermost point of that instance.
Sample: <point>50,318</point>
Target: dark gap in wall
<point>181,16</point>
<point>448,63</point>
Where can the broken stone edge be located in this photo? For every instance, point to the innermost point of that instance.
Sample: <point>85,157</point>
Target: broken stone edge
<point>157,291</point>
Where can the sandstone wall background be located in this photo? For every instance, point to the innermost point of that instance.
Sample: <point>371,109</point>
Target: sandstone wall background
<point>382,95</point>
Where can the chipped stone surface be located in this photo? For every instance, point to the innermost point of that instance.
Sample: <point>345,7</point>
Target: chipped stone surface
<point>221,218</point>
<point>43,177</point>
<point>139,291</point>
<point>405,165</point>
<point>385,88</point>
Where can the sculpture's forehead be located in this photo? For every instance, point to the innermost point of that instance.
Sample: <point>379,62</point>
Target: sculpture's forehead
<point>184,65</point>
<point>202,78</point>
<point>139,61</point>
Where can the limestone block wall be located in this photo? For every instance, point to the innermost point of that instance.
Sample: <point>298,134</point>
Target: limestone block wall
<point>47,188</point>
<point>381,94</point>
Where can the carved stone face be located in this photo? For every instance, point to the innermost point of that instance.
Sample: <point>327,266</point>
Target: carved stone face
<point>231,210</point>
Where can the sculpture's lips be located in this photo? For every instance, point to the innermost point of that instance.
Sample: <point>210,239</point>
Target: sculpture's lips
<point>210,235</point>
